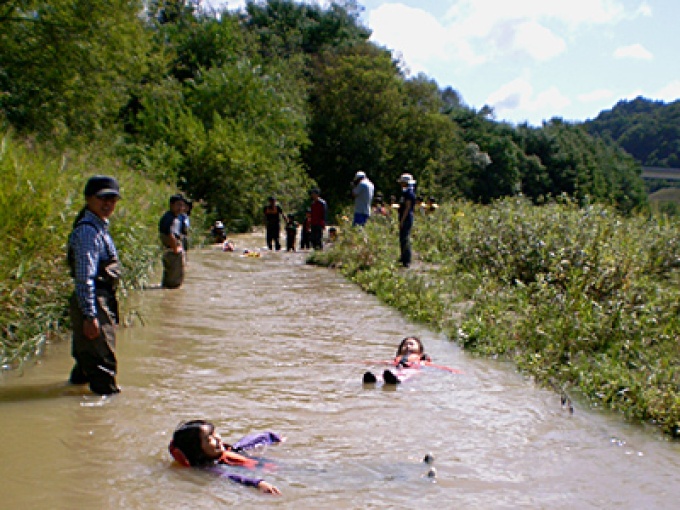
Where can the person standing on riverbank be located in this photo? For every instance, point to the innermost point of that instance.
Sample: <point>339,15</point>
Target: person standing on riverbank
<point>273,213</point>
<point>406,207</point>
<point>362,191</point>
<point>319,208</point>
<point>170,230</point>
<point>93,306</point>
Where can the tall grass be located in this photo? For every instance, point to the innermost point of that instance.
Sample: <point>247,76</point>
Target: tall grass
<point>579,297</point>
<point>40,195</point>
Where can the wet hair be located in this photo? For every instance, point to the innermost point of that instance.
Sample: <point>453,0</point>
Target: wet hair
<point>403,344</point>
<point>187,439</point>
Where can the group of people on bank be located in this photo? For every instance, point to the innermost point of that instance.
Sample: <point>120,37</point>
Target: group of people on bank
<point>362,189</point>
<point>311,228</point>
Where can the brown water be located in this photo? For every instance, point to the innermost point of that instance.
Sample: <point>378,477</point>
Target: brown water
<point>272,344</point>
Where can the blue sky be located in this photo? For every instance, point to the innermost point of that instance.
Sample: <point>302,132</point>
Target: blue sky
<point>531,60</point>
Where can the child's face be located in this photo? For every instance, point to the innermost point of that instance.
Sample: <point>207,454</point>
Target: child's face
<point>211,443</point>
<point>411,346</point>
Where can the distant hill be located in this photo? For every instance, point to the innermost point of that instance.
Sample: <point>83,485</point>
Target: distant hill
<point>646,129</point>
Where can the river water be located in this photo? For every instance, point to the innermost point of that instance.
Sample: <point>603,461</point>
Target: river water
<point>270,343</point>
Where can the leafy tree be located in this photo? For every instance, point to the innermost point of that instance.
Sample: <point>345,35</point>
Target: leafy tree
<point>648,130</point>
<point>356,101</point>
<point>66,66</point>
<point>286,27</point>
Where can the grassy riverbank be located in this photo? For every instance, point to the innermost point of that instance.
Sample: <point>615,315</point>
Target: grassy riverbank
<point>40,196</point>
<point>580,298</point>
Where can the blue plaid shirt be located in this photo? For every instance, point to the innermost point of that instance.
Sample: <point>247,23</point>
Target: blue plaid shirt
<point>90,246</point>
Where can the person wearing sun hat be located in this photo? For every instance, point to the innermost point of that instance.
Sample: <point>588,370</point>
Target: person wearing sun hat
<point>362,191</point>
<point>406,207</point>
<point>95,269</point>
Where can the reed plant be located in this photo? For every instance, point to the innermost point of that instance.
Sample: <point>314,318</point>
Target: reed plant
<point>578,296</point>
<point>40,195</point>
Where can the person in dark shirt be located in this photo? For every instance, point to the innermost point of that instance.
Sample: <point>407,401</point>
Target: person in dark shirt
<point>406,207</point>
<point>273,213</point>
<point>306,231</point>
<point>291,232</point>
<point>170,230</point>
<point>319,208</point>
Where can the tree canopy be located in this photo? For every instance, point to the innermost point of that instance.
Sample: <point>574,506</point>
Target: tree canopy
<point>648,130</point>
<point>276,98</point>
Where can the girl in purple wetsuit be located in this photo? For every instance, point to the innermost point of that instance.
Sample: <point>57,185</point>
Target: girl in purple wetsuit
<point>196,443</point>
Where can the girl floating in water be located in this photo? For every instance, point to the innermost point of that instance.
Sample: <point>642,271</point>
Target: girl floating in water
<point>410,354</point>
<point>196,443</point>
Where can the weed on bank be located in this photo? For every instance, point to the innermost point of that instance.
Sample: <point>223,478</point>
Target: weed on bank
<point>579,297</point>
<point>40,195</point>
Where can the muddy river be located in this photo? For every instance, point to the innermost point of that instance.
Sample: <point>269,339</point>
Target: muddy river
<point>270,343</point>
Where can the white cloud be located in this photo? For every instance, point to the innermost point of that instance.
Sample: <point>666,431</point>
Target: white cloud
<point>229,4</point>
<point>645,10</point>
<point>517,99</point>
<point>414,33</point>
<point>636,51</point>
<point>476,32</point>
<point>538,41</point>
<point>670,92</point>
<point>487,13</point>
<point>596,96</point>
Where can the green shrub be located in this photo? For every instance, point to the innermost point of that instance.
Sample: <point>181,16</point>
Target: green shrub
<point>41,194</point>
<point>577,296</point>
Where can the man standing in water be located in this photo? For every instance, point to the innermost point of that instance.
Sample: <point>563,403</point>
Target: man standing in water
<point>362,191</point>
<point>170,230</point>
<point>406,206</point>
<point>272,216</point>
<point>93,306</point>
<point>318,208</point>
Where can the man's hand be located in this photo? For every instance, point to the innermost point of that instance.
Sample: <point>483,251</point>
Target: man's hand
<point>91,328</point>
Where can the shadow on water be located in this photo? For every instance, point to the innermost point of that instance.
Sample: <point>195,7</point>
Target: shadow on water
<point>269,343</point>
<point>41,392</point>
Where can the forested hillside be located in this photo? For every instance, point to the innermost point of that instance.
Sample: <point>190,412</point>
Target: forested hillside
<point>235,106</point>
<point>648,130</point>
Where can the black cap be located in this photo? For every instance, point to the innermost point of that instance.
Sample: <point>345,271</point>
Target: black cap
<point>101,185</point>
